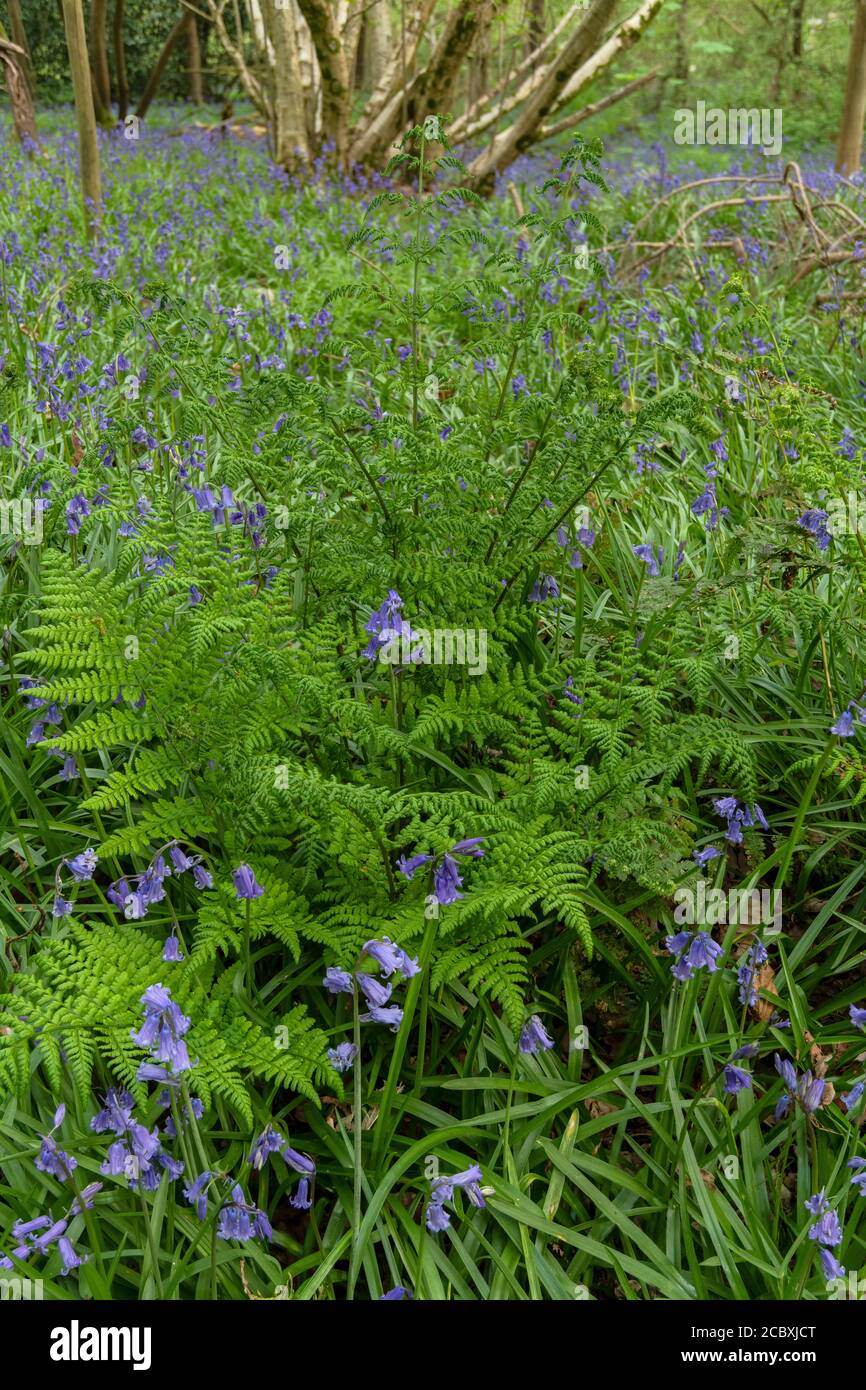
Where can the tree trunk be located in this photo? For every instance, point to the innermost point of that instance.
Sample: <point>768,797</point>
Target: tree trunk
<point>18,34</point>
<point>797,11</point>
<point>20,102</point>
<point>535,27</point>
<point>331,54</point>
<point>101,79</point>
<point>193,60</point>
<point>120,62</point>
<point>850,143</point>
<point>506,146</point>
<point>155,78</point>
<point>290,125</point>
<point>681,51</point>
<point>76,43</point>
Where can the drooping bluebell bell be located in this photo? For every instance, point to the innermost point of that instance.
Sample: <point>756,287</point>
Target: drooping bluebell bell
<point>645,552</point>
<point>806,1091</point>
<point>693,952</point>
<point>62,906</point>
<point>342,1056</point>
<point>545,587</point>
<point>245,883</point>
<point>703,856</point>
<point>171,949</point>
<point>338,981</point>
<point>394,1295</point>
<point>163,1029</point>
<point>70,1260</point>
<point>374,991</point>
<point>844,726</point>
<point>268,1142</point>
<point>390,1014</point>
<point>858,1176</point>
<point>534,1037</point>
<point>857,1016</point>
<point>201,877</point>
<point>736,1079</point>
<point>814,520</point>
<point>83,865</point>
<point>749,965</point>
<point>196,1194</point>
<point>302,1201</point>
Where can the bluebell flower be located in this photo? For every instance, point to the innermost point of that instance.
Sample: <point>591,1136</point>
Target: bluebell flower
<point>374,991</point>
<point>409,867</point>
<point>245,883</point>
<point>815,522</point>
<point>545,587</point>
<point>391,1015</point>
<point>163,1029</point>
<point>62,906</point>
<point>201,877</point>
<point>827,1230</point>
<point>857,1016</point>
<point>386,955</point>
<point>302,1201</point>
<point>55,1161</point>
<point>747,1050</point>
<point>234,1221</point>
<point>703,856</point>
<point>831,1266</point>
<point>817,1205</point>
<point>342,1056</point>
<point>645,553</point>
<point>196,1194</point>
<point>268,1142</point>
<point>301,1163</point>
<point>858,1177</point>
<point>338,981</point>
<point>853,1096</point>
<point>437,1218</point>
<point>68,1256</point>
<point>83,865</point>
<point>736,1079</point>
<point>844,726</point>
<point>393,1295</point>
<point>533,1036</point>
<point>171,950</point>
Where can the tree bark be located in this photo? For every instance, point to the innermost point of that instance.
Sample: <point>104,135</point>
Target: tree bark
<point>331,55</point>
<point>193,60</point>
<point>797,13</point>
<point>20,101</point>
<point>535,27</point>
<point>99,59</point>
<point>510,143</point>
<point>18,35</point>
<point>290,125</point>
<point>155,78</point>
<point>76,43</point>
<point>120,62</point>
<point>850,144</point>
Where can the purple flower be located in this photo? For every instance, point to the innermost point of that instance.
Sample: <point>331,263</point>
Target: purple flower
<point>196,1195</point>
<point>844,725</point>
<point>83,865</point>
<point>201,877</point>
<point>852,1097</point>
<point>374,991</point>
<point>62,906</point>
<point>393,1295</point>
<point>68,1256</point>
<point>857,1016</point>
<point>645,553</point>
<point>338,981</point>
<point>342,1056</point>
<point>391,1015</point>
<point>302,1200</point>
<point>703,856</point>
<point>436,1218</point>
<point>55,1161</point>
<point>736,1079</point>
<point>831,1266</point>
<point>533,1036</point>
<point>245,883</point>
<point>386,955</point>
<point>163,1029</point>
<point>171,950</point>
<point>827,1230</point>
<point>268,1142</point>
<point>409,867</point>
<point>299,1162</point>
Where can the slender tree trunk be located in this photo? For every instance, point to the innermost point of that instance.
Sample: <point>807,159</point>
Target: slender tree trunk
<point>535,27</point>
<point>18,34</point>
<point>681,51</point>
<point>76,43</point>
<point>101,79</point>
<point>193,60</point>
<point>331,54</point>
<point>120,62</point>
<point>850,144</point>
<point>20,101</point>
<point>290,125</point>
<point>797,11</point>
<point>155,78</point>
